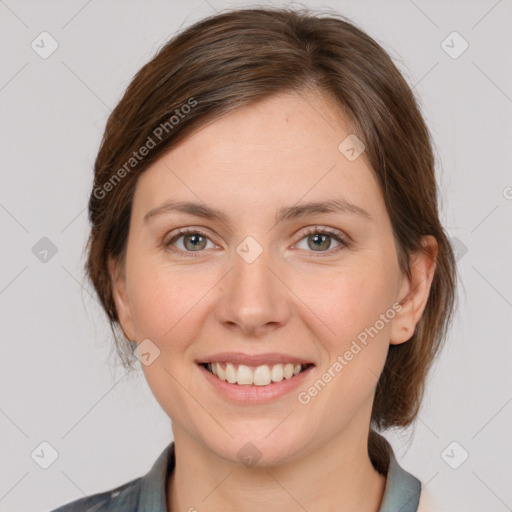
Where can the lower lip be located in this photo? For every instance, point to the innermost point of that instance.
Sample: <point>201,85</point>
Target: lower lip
<point>255,394</point>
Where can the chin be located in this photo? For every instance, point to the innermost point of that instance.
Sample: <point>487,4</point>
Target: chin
<point>255,451</point>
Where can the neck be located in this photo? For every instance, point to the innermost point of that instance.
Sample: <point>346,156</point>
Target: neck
<point>338,475</point>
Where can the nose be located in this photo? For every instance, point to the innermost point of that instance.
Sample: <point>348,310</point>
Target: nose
<point>254,297</point>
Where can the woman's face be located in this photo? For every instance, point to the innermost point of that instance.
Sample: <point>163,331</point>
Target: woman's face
<point>256,281</point>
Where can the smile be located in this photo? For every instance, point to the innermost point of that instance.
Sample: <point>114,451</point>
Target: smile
<point>262,375</point>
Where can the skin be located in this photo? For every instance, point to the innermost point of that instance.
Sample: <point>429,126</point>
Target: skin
<point>292,299</point>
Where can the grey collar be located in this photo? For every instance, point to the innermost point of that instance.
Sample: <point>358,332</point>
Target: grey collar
<point>401,493</point>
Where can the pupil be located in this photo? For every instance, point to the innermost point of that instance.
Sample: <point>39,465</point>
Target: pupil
<point>196,242</point>
<point>322,239</point>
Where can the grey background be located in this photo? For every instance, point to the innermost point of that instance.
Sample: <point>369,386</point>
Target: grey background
<point>58,379</point>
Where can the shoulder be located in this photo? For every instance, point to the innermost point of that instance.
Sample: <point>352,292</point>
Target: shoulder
<point>144,493</point>
<point>123,498</point>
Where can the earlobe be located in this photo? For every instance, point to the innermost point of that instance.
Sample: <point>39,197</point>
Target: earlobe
<point>120,296</point>
<point>415,291</point>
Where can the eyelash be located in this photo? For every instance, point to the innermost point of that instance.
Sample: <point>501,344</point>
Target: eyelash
<point>336,235</point>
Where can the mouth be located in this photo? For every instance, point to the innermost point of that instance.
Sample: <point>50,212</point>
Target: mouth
<point>262,375</point>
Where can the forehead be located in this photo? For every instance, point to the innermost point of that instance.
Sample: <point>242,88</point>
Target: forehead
<point>279,150</point>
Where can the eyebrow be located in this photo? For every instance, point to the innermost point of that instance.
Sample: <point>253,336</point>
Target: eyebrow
<point>284,213</point>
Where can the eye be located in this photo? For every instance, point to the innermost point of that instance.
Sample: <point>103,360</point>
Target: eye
<point>194,240</point>
<point>320,239</point>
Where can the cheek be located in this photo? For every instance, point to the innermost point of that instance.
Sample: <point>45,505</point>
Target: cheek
<point>356,300</point>
<point>353,309</point>
<point>167,303</point>
<point>167,309</point>
<point>350,300</point>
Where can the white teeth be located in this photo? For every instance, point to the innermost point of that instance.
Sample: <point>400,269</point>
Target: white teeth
<point>219,371</point>
<point>244,375</point>
<point>277,373</point>
<point>260,376</point>
<point>230,373</point>
<point>288,371</point>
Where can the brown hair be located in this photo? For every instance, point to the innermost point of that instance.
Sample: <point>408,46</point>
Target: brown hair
<point>231,59</point>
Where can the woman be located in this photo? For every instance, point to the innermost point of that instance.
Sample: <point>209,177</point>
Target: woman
<point>265,235</point>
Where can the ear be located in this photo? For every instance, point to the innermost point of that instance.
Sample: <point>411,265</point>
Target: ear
<point>414,291</point>
<point>119,291</point>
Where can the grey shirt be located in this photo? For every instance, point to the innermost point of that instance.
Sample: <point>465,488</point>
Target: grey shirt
<point>148,493</point>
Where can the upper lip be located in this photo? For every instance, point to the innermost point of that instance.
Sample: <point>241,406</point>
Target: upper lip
<point>253,360</point>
